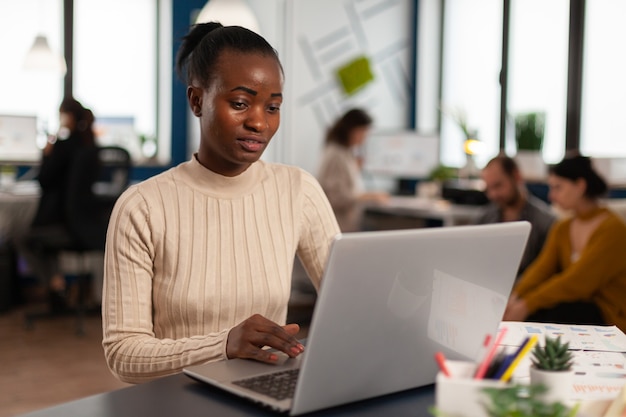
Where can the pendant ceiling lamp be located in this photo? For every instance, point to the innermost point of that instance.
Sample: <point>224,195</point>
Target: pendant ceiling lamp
<point>229,12</point>
<point>40,57</point>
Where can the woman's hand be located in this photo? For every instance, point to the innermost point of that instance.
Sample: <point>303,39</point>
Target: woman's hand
<point>516,309</point>
<point>247,339</point>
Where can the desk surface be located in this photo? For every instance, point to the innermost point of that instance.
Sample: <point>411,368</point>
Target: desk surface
<point>180,396</point>
<point>450,214</point>
<point>18,205</point>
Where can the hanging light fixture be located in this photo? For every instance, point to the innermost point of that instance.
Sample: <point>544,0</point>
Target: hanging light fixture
<point>41,57</point>
<point>229,12</point>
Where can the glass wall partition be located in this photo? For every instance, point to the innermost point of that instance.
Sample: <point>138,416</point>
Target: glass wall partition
<point>116,70</point>
<point>472,39</point>
<point>604,85</point>
<point>31,92</point>
<point>537,70</point>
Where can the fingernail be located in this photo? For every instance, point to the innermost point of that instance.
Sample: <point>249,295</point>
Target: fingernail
<point>295,350</point>
<point>300,347</point>
<point>273,357</point>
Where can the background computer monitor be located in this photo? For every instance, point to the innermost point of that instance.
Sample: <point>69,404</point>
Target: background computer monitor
<point>19,139</point>
<point>401,154</point>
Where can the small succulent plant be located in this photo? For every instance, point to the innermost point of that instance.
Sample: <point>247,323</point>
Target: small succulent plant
<point>517,400</point>
<point>553,356</point>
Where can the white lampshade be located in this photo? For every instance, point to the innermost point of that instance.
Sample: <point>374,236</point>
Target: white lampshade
<point>229,13</point>
<point>40,57</point>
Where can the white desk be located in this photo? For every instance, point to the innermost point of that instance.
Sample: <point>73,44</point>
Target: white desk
<point>18,204</point>
<point>423,208</point>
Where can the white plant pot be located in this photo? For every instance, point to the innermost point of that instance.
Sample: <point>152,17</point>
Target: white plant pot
<point>558,383</point>
<point>532,165</point>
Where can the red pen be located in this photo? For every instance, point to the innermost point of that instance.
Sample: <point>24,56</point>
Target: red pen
<point>482,368</point>
<point>441,361</point>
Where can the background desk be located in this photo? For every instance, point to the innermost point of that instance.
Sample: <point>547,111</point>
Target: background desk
<point>18,205</point>
<point>428,209</point>
<point>180,396</point>
<point>17,209</point>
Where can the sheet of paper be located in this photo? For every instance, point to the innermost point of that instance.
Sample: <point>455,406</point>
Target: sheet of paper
<point>580,337</point>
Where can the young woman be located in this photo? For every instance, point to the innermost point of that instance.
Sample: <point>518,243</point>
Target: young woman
<point>340,169</point>
<point>199,258</point>
<point>580,274</point>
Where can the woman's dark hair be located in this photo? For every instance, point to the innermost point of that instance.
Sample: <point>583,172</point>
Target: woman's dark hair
<point>202,46</point>
<point>83,119</point>
<point>340,132</point>
<point>575,167</point>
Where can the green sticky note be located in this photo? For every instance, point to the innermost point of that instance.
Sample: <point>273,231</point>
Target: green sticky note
<point>355,75</point>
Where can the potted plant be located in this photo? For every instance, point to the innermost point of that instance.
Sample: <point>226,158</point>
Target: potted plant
<point>552,367</point>
<point>524,401</point>
<point>529,133</point>
<point>442,173</point>
<point>514,400</point>
<point>432,185</point>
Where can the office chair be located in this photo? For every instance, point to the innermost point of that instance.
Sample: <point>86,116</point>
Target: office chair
<point>88,206</point>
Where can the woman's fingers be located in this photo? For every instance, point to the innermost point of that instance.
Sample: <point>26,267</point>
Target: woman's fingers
<point>249,338</point>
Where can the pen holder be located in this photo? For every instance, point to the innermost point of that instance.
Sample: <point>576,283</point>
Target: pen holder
<point>460,394</point>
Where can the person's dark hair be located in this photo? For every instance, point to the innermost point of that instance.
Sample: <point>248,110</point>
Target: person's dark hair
<point>83,118</point>
<point>508,164</point>
<point>340,131</point>
<point>201,48</point>
<point>575,167</point>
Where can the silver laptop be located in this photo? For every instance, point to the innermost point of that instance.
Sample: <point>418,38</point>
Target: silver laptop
<point>389,300</point>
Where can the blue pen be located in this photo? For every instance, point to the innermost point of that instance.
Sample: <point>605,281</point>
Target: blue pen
<point>509,358</point>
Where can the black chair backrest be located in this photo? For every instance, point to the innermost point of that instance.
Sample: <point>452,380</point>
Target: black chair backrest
<point>114,177</point>
<point>98,177</point>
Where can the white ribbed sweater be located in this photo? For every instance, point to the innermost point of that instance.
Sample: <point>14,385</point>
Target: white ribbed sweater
<point>190,254</point>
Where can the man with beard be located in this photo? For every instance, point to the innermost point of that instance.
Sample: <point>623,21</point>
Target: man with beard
<point>511,201</point>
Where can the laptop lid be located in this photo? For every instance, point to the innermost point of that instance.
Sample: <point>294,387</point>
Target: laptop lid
<point>388,301</point>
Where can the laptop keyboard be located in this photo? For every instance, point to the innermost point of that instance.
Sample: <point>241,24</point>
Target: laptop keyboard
<point>279,385</point>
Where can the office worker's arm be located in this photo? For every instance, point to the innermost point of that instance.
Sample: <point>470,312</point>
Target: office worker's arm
<point>545,265</point>
<point>541,269</point>
<point>54,164</point>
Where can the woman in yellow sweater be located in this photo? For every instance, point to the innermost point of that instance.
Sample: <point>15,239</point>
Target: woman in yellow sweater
<point>580,275</point>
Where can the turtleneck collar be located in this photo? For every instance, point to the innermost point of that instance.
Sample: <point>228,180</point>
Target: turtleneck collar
<point>591,213</point>
<point>208,182</point>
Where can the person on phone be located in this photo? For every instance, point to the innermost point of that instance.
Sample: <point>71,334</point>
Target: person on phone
<point>65,213</point>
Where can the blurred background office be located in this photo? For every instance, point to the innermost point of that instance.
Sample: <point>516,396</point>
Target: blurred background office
<point>493,61</point>
<point>410,63</point>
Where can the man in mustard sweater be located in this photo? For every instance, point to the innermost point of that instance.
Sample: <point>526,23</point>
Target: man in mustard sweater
<point>580,275</point>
